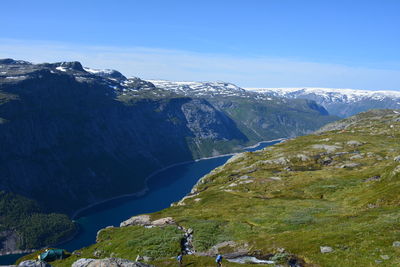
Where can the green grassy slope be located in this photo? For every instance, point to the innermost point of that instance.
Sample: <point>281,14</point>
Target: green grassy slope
<point>338,188</point>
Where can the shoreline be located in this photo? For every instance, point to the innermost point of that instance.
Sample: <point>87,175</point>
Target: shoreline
<point>146,188</point>
<point>14,252</point>
<point>136,194</point>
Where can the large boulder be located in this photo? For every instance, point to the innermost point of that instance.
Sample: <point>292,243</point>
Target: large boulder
<point>108,262</point>
<point>326,249</point>
<point>142,220</point>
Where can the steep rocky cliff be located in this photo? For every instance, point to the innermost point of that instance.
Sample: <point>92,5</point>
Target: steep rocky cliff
<point>66,137</point>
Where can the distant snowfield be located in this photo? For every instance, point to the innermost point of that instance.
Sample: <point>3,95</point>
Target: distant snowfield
<point>344,94</point>
<point>199,88</point>
<point>340,102</point>
<point>98,71</point>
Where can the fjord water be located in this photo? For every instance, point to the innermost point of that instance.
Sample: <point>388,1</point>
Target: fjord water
<point>166,187</point>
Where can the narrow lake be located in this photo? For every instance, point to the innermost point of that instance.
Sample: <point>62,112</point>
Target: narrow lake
<point>166,187</point>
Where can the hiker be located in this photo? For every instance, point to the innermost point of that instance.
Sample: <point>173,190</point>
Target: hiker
<point>179,259</point>
<point>218,260</point>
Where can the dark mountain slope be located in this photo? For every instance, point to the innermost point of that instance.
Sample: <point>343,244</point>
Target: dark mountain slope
<point>70,141</point>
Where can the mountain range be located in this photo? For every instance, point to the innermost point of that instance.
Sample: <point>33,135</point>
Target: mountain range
<point>339,102</point>
<point>72,136</point>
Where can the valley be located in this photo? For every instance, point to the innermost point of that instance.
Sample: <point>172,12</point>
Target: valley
<point>326,199</point>
<point>74,136</point>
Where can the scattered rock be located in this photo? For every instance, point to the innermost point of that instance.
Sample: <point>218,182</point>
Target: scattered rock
<point>249,260</point>
<point>396,244</point>
<point>397,158</point>
<point>327,161</point>
<point>350,165</point>
<point>163,222</point>
<point>137,220</point>
<point>328,148</point>
<point>147,259</point>
<point>232,184</point>
<point>182,201</point>
<point>396,170</point>
<point>303,157</point>
<point>34,264</point>
<point>109,262</point>
<point>144,220</point>
<point>358,156</point>
<point>289,169</point>
<point>98,253</point>
<point>373,205</point>
<point>197,199</point>
<point>354,143</point>
<point>275,178</point>
<point>246,182</point>
<point>373,178</point>
<point>325,249</point>
<point>385,257</point>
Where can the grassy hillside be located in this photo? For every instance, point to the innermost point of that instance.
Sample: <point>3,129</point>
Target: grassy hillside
<point>338,188</point>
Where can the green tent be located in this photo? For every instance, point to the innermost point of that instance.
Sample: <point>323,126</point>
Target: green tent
<point>52,254</point>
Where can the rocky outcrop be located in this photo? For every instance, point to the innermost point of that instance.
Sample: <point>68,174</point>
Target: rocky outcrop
<point>109,262</point>
<point>144,220</point>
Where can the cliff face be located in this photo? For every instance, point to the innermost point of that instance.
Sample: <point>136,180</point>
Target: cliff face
<point>74,142</point>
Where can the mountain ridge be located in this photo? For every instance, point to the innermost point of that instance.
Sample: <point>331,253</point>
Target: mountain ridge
<point>340,102</point>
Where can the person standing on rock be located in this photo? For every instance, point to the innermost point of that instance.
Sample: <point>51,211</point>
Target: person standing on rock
<point>218,260</point>
<point>179,259</point>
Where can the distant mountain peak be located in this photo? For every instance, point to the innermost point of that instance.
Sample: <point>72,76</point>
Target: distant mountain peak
<point>201,89</point>
<point>340,102</point>
<point>106,73</point>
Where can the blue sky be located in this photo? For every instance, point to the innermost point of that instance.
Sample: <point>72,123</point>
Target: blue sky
<point>254,43</point>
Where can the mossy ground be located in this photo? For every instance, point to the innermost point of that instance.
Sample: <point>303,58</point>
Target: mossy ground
<point>294,196</point>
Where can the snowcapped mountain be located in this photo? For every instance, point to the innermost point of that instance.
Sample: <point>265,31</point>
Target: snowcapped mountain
<point>208,89</point>
<point>340,102</point>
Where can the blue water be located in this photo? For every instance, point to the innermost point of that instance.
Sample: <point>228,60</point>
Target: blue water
<point>166,187</point>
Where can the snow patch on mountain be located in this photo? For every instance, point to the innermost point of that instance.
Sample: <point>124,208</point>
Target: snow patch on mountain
<point>329,94</point>
<point>98,71</point>
<point>340,102</point>
<point>200,88</point>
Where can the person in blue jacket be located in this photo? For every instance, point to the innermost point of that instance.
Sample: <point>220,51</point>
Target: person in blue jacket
<point>218,260</point>
<point>179,259</point>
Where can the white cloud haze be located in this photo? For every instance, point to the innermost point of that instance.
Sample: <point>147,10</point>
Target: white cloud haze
<point>149,63</point>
